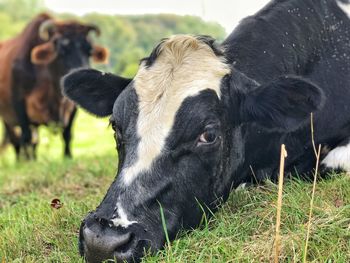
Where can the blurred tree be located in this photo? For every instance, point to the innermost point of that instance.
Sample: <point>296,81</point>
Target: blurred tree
<point>21,10</point>
<point>128,37</point>
<point>118,35</point>
<point>8,27</point>
<point>131,38</point>
<point>14,15</point>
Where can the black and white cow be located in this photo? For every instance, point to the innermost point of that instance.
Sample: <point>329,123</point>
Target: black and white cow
<point>197,115</point>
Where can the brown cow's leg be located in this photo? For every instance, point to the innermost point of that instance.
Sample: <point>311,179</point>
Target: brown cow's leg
<point>20,87</point>
<point>67,135</point>
<point>26,133</point>
<point>29,151</point>
<point>14,139</point>
<point>35,141</point>
<point>5,140</point>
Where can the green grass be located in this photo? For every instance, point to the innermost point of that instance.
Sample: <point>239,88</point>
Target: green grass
<point>242,231</point>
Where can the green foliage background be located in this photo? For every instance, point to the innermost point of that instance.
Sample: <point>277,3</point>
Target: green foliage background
<point>128,37</point>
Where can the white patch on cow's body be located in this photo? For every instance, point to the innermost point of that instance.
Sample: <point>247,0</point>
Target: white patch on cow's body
<point>241,187</point>
<point>184,67</point>
<point>122,220</point>
<point>338,158</point>
<point>345,7</point>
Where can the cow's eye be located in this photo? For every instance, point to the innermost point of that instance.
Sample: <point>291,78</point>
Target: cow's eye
<point>207,137</point>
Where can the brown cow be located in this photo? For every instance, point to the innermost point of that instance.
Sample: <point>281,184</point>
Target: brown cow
<point>31,66</point>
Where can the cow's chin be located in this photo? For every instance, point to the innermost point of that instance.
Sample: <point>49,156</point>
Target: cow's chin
<point>132,255</point>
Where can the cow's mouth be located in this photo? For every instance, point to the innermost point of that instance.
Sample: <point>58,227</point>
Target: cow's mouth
<point>99,242</point>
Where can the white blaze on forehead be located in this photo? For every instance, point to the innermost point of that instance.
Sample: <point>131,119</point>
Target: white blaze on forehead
<point>122,220</point>
<point>345,7</point>
<point>184,67</point>
<point>338,158</point>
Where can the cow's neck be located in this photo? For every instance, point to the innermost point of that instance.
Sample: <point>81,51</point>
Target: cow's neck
<point>283,38</point>
<point>56,71</point>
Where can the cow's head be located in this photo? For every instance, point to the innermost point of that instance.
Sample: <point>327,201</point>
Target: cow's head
<point>176,128</point>
<point>67,43</point>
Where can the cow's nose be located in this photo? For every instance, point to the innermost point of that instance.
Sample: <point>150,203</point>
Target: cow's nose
<point>102,247</point>
<point>100,242</point>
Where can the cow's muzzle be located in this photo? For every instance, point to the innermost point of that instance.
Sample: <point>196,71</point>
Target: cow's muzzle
<point>99,241</point>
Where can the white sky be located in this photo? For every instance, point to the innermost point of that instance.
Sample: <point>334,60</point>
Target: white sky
<point>226,12</point>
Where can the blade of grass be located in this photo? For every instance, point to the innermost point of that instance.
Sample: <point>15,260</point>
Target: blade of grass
<point>164,223</point>
<point>204,216</point>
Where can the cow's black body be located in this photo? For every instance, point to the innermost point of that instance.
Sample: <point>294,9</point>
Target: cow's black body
<point>305,38</point>
<point>243,99</point>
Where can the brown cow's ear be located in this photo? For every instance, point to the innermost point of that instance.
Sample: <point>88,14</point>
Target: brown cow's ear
<point>43,54</point>
<point>100,54</point>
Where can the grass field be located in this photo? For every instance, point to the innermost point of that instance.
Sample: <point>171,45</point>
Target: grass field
<point>242,231</point>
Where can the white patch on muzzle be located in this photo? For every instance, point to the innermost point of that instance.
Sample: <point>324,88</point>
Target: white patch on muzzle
<point>338,158</point>
<point>184,67</point>
<point>344,7</point>
<point>122,220</point>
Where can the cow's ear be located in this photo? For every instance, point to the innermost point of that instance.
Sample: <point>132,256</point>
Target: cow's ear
<point>93,90</point>
<point>99,54</point>
<point>284,104</point>
<point>43,54</point>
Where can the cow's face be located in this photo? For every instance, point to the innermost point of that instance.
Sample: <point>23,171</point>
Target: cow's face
<point>67,46</point>
<point>176,127</point>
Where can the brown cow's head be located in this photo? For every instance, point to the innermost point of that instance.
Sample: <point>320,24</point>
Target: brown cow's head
<point>68,45</point>
<point>62,46</point>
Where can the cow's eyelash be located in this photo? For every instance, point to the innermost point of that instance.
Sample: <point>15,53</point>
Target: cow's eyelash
<point>110,122</point>
<point>113,125</point>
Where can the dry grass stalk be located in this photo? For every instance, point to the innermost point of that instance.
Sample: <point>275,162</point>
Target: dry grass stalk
<point>279,202</point>
<point>312,203</point>
<point>312,133</point>
<point>253,173</point>
<point>317,154</point>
